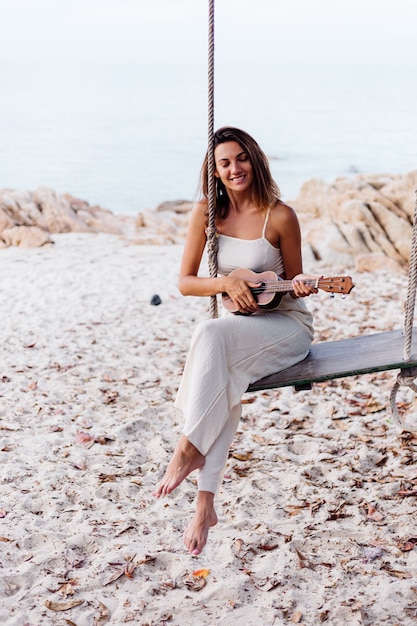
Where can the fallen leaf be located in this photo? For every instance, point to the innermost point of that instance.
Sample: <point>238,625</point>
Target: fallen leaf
<point>407,545</point>
<point>81,465</point>
<point>107,478</point>
<point>242,456</point>
<point>249,400</point>
<point>4,539</point>
<point>117,574</point>
<point>407,493</point>
<point>396,573</point>
<point>129,570</point>
<point>103,617</point>
<point>62,606</point>
<point>110,397</point>
<point>196,583</point>
<point>242,470</point>
<point>201,572</point>
<point>294,509</point>
<point>238,545</point>
<point>122,569</point>
<point>268,547</point>
<point>169,584</point>
<point>103,439</point>
<point>66,588</point>
<point>303,561</point>
<point>85,439</point>
<point>3,512</point>
<point>263,584</point>
<point>263,441</point>
<point>372,553</point>
<point>372,513</point>
<point>296,617</point>
<point>315,506</point>
<point>148,558</point>
<point>73,559</point>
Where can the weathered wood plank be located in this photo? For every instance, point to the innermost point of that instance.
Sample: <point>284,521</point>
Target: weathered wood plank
<point>348,357</point>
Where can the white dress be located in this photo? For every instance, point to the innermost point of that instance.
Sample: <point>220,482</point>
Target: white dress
<point>229,353</point>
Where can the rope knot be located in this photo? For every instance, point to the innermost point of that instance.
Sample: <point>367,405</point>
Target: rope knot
<point>211,232</point>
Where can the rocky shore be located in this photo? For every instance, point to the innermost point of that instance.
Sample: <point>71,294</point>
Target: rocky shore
<point>360,221</point>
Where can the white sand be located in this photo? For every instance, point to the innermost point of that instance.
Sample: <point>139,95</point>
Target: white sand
<point>317,521</point>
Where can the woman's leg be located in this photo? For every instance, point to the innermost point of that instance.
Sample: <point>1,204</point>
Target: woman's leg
<point>211,473</point>
<point>186,459</point>
<point>195,536</point>
<point>209,479</point>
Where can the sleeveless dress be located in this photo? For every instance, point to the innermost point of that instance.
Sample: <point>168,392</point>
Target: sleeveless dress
<point>232,351</point>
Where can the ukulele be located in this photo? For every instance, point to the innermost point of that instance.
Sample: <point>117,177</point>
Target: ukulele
<point>271,287</point>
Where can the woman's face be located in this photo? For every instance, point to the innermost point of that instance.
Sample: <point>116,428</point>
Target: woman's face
<point>233,166</point>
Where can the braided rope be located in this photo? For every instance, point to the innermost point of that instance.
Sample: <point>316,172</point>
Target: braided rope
<point>405,377</point>
<point>411,292</point>
<point>211,232</point>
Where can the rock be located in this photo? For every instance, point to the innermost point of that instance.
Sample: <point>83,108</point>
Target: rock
<point>364,215</point>
<point>44,212</point>
<point>5,220</point>
<point>57,214</point>
<point>25,237</point>
<point>374,263</point>
<point>176,206</point>
<point>156,300</point>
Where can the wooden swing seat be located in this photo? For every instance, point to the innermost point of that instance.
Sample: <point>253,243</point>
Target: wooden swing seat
<point>347,357</point>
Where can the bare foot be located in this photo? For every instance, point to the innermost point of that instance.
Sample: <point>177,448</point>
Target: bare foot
<point>186,459</point>
<point>195,536</point>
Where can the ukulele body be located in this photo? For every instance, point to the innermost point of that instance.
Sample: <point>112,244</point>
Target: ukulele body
<point>266,299</point>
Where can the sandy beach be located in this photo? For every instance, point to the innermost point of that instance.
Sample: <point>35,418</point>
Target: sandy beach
<point>317,521</point>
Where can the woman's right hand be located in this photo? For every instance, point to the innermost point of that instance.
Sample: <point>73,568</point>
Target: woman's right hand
<point>239,290</point>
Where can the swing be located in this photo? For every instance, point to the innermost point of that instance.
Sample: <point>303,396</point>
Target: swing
<point>392,350</point>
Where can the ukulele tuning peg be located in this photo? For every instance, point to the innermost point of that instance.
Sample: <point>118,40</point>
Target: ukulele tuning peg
<point>343,296</point>
<point>332,295</point>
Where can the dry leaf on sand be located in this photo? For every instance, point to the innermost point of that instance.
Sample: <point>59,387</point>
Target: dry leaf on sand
<point>103,617</point>
<point>62,606</point>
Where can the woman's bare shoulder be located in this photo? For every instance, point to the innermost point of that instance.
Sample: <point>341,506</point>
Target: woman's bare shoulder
<point>199,212</point>
<point>282,212</point>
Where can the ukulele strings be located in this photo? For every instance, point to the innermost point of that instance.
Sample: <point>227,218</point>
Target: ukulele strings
<point>280,285</point>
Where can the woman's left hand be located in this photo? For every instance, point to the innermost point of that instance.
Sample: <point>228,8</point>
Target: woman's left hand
<point>304,284</point>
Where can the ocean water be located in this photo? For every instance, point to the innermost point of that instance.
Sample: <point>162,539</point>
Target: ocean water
<point>129,135</point>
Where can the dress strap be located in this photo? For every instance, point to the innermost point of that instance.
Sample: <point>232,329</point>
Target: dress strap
<point>266,222</point>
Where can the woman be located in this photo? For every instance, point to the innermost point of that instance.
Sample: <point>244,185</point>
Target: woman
<point>257,231</point>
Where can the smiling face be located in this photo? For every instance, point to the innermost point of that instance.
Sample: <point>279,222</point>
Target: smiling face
<point>233,166</point>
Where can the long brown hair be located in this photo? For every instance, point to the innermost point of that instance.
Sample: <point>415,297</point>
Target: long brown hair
<point>265,191</point>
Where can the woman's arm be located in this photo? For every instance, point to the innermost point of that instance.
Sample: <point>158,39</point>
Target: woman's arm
<point>190,284</point>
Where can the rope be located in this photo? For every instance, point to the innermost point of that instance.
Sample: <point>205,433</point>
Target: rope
<point>407,377</point>
<point>411,292</point>
<point>211,232</point>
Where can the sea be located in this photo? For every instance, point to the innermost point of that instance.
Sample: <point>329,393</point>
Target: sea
<point>130,134</point>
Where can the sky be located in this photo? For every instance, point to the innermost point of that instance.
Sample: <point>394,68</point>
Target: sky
<point>175,30</point>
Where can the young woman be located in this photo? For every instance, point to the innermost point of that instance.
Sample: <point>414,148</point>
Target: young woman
<point>257,231</point>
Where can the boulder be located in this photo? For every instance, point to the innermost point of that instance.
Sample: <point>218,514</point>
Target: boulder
<point>364,215</point>
<point>29,218</point>
<point>25,237</point>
